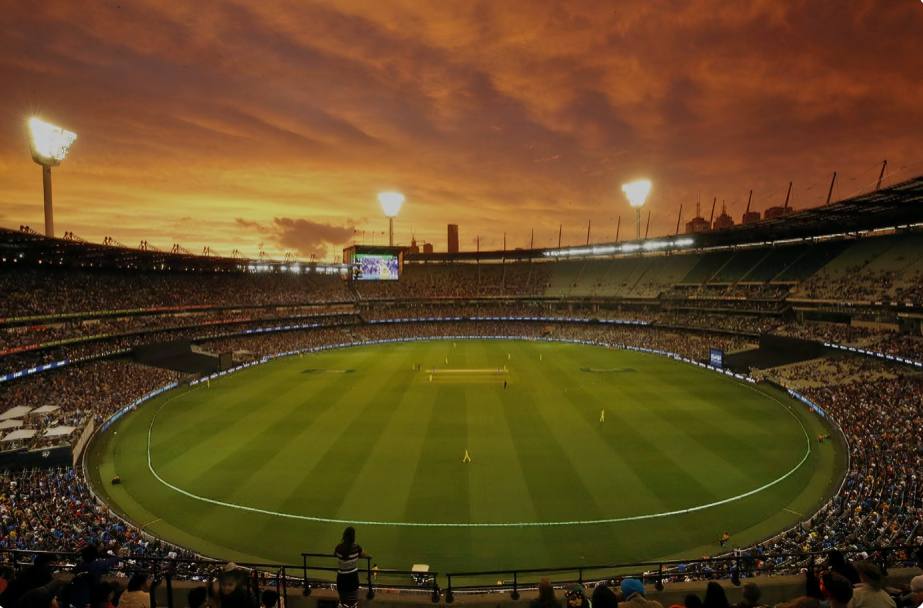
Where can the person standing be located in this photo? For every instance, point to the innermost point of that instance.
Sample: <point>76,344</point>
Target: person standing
<point>348,553</point>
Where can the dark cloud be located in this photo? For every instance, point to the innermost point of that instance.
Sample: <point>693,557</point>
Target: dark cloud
<point>481,112</point>
<point>308,238</point>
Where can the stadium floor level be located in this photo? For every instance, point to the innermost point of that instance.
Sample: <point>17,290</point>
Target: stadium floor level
<point>581,455</point>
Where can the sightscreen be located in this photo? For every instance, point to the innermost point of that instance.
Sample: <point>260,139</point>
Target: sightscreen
<point>377,267</point>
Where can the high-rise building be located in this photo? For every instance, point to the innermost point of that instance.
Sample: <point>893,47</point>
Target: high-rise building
<point>724,220</point>
<point>751,217</point>
<point>453,238</point>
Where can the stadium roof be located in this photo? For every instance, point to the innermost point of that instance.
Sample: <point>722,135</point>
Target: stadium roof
<point>896,206</point>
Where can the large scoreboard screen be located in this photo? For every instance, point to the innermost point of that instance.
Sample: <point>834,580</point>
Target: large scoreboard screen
<point>377,266</point>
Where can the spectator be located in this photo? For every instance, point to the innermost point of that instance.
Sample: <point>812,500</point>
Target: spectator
<point>546,598</point>
<point>348,553</point>
<point>269,599</point>
<point>633,595</point>
<point>870,593</point>
<point>715,597</point>
<point>837,563</point>
<point>45,596</point>
<point>575,597</point>
<point>751,596</point>
<point>603,596</point>
<point>916,591</point>
<point>837,589</point>
<point>692,600</point>
<point>138,593</point>
<point>197,597</point>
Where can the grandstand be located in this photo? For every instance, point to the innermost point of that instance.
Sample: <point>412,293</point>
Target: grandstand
<point>847,280</point>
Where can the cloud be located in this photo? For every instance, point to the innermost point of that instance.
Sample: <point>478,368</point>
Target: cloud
<point>483,113</point>
<point>308,238</point>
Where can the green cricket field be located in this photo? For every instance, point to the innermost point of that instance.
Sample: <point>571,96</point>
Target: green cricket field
<point>579,455</point>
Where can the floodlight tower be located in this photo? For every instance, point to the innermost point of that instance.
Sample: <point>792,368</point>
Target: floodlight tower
<point>50,144</point>
<point>637,192</point>
<point>391,205</point>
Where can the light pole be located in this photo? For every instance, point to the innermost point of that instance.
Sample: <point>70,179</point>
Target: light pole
<point>391,205</point>
<point>637,192</point>
<point>50,144</point>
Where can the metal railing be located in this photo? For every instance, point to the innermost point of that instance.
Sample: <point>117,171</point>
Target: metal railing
<point>733,566</point>
<point>374,576</point>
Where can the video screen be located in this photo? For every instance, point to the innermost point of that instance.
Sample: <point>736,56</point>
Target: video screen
<point>716,357</point>
<point>377,267</point>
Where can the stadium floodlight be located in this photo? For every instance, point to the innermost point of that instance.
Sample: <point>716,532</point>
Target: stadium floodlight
<point>391,203</point>
<point>50,144</point>
<point>636,192</point>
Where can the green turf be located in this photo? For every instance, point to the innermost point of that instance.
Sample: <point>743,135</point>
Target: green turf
<point>356,434</point>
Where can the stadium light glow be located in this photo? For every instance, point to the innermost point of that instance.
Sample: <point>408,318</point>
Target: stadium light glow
<point>49,144</point>
<point>391,203</point>
<point>636,192</point>
<point>596,250</point>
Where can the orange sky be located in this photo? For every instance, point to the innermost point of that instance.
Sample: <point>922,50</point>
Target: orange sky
<point>238,123</point>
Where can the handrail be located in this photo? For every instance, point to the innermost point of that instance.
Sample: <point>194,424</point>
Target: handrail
<point>662,569</point>
<point>371,572</point>
<point>731,565</point>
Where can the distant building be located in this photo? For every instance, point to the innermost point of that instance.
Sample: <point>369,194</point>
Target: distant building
<point>774,212</point>
<point>427,247</point>
<point>453,238</point>
<point>723,221</point>
<point>413,246</point>
<point>750,217</point>
<point>698,223</point>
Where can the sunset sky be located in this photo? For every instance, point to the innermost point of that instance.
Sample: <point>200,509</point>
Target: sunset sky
<point>233,123</point>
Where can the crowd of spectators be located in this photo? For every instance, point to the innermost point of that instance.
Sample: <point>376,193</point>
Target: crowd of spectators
<point>879,406</point>
<point>816,373</point>
<point>881,501</point>
<point>14,338</point>
<point>32,292</point>
<point>97,347</point>
<point>93,390</point>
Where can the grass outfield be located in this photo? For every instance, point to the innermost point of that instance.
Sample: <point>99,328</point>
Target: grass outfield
<point>267,462</point>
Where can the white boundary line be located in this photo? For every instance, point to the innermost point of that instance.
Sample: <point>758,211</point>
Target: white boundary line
<point>524,524</point>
